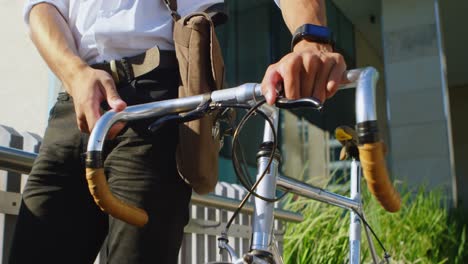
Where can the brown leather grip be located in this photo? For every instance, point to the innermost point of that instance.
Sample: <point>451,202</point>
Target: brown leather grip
<point>97,184</point>
<point>376,174</point>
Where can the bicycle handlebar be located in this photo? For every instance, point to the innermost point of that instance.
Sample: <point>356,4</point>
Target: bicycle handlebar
<point>375,172</point>
<point>373,163</point>
<point>371,148</point>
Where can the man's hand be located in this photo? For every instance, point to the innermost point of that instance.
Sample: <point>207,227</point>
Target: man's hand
<point>312,69</point>
<point>89,88</point>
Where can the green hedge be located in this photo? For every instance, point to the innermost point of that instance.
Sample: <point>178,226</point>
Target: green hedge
<point>421,232</point>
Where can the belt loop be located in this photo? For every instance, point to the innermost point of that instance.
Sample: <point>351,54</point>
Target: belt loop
<point>115,74</point>
<point>128,71</point>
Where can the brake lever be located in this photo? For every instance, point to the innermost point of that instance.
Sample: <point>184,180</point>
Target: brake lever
<point>160,121</point>
<point>310,102</point>
<point>195,114</point>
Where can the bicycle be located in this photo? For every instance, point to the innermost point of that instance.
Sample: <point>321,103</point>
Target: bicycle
<point>370,162</point>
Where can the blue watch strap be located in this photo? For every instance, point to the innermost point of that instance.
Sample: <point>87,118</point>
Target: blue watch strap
<point>313,33</point>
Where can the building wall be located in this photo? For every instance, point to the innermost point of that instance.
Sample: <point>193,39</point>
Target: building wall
<point>419,115</point>
<point>455,35</point>
<point>24,87</point>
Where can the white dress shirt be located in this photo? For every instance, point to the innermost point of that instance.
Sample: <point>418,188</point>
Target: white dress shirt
<point>111,29</point>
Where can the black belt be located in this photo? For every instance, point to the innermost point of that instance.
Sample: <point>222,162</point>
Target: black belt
<point>128,68</point>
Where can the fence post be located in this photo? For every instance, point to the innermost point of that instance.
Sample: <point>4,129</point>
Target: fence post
<point>198,240</point>
<point>9,182</point>
<point>244,219</point>
<point>222,215</point>
<point>211,240</point>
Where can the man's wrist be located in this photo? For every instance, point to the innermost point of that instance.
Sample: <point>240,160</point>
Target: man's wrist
<point>74,70</point>
<point>305,44</point>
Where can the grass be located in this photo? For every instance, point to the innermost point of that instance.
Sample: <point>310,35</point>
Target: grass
<point>423,231</point>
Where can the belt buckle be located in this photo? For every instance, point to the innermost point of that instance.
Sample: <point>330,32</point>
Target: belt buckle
<point>113,68</point>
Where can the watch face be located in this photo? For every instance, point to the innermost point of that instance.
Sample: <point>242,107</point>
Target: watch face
<point>313,33</point>
<point>318,31</point>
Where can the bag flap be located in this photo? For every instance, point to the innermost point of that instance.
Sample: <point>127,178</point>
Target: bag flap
<point>182,34</point>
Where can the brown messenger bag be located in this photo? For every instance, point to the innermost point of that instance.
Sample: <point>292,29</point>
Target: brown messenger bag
<point>201,68</point>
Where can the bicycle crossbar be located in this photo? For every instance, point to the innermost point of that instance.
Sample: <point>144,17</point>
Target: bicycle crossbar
<point>316,193</point>
<point>230,204</point>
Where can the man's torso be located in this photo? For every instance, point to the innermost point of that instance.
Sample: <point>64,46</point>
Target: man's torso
<point>106,29</point>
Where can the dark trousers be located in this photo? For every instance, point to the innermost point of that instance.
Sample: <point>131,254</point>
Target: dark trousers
<point>58,220</point>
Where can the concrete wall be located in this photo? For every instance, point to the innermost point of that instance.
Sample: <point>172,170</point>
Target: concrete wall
<point>419,117</point>
<point>24,87</point>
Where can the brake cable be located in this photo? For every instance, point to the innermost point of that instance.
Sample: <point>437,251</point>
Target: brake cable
<point>239,169</point>
<point>386,255</point>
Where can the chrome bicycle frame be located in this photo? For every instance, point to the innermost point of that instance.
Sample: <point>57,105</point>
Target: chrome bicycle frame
<point>365,82</point>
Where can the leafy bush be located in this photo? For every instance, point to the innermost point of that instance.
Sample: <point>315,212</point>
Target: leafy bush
<point>423,231</point>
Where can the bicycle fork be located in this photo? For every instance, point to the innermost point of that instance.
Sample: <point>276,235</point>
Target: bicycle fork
<point>355,221</point>
<point>263,220</point>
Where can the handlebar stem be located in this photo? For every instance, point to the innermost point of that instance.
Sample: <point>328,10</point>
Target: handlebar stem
<point>365,95</point>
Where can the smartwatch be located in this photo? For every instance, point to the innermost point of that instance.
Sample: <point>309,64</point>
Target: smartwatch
<point>313,33</point>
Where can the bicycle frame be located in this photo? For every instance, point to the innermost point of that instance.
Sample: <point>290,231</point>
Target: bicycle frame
<point>365,82</point>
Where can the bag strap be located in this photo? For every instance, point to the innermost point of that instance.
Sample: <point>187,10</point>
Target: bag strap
<point>172,7</point>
